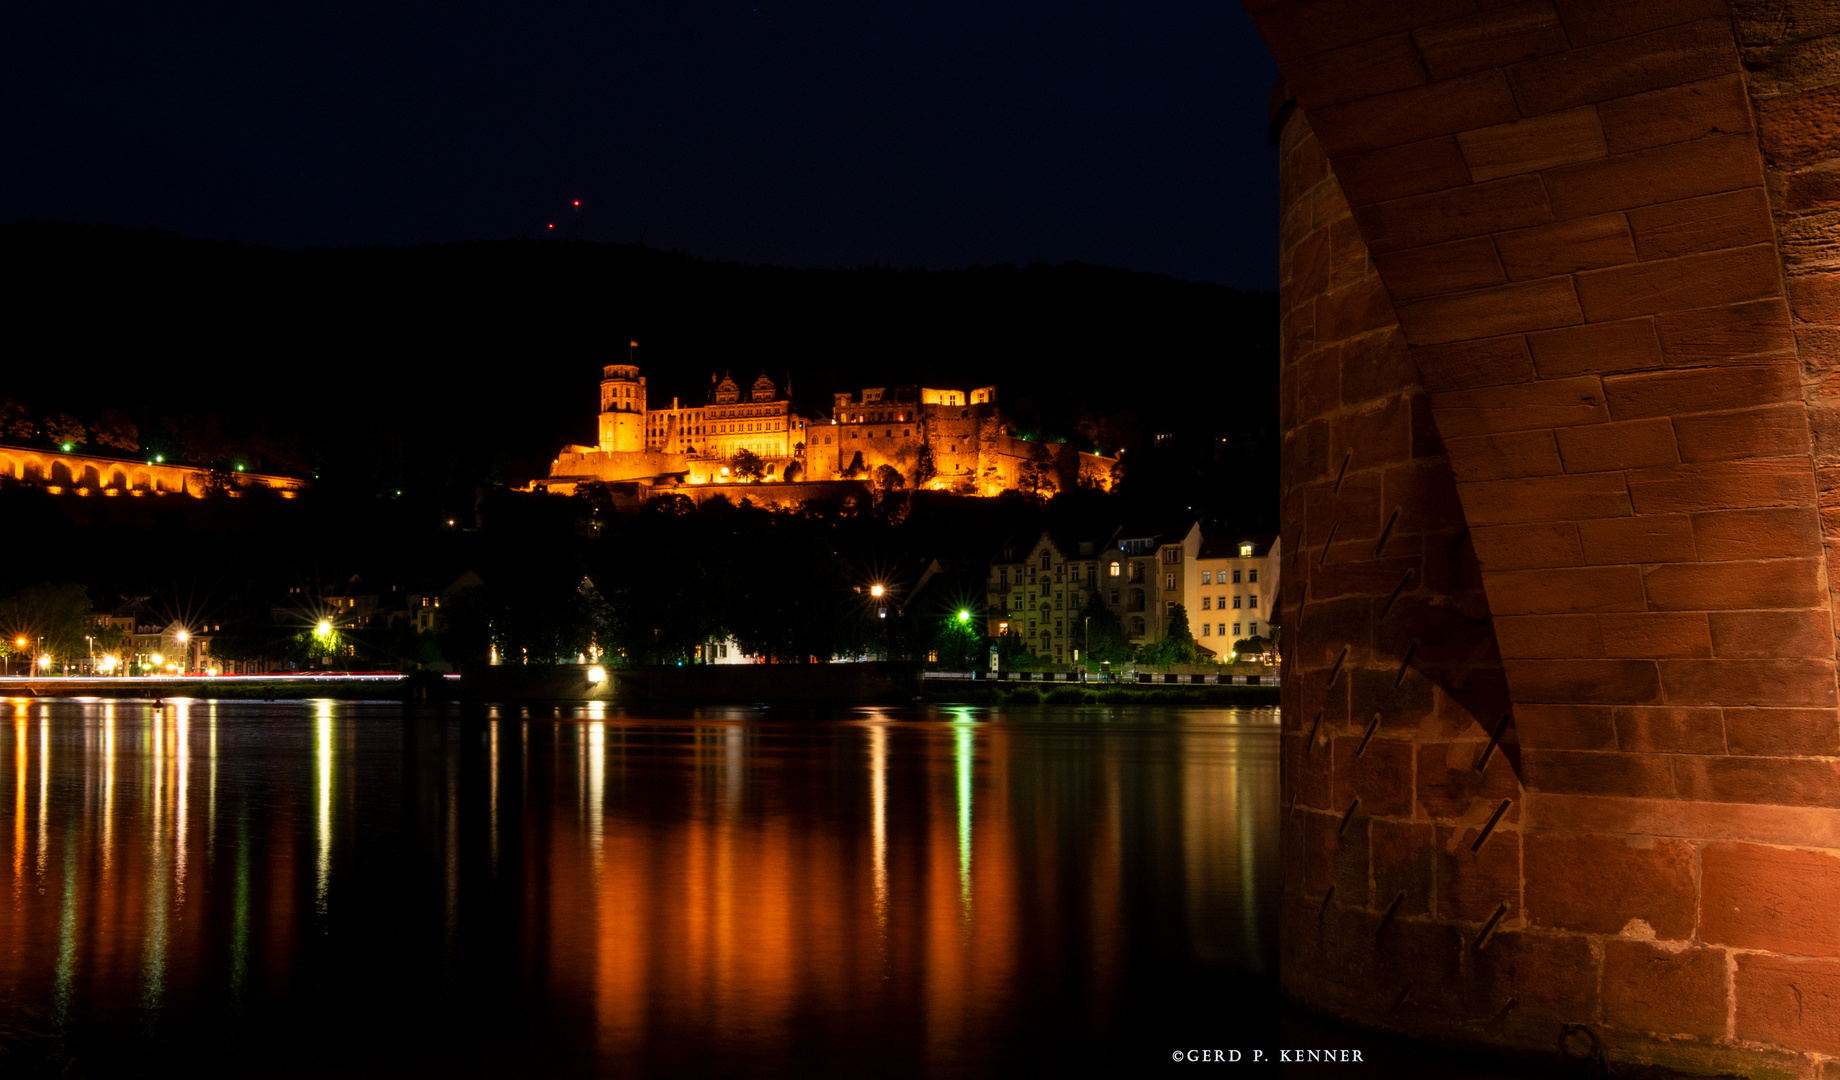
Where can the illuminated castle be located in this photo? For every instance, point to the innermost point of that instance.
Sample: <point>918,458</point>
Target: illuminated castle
<point>947,439</point>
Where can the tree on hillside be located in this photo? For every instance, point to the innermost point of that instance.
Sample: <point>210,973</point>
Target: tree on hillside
<point>114,430</point>
<point>15,420</point>
<point>924,467</point>
<point>748,466</point>
<point>889,478</point>
<point>66,430</point>
<point>1177,646</point>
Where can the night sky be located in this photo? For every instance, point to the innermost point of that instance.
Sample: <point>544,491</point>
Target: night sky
<point>802,134</point>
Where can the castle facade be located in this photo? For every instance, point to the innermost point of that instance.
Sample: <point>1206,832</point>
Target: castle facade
<point>937,439</point>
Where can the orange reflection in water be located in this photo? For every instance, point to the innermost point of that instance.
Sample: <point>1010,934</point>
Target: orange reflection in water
<point>900,879</point>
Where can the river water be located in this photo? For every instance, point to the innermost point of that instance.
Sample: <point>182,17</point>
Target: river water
<point>291,888</point>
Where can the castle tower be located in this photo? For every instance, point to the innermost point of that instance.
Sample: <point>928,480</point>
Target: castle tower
<point>622,425</point>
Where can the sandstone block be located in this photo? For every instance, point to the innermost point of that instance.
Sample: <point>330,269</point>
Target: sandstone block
<point>1597,884</point>
<point>1456,214</point>
<point>1505,456</point>
<point>1772,898</point>
<point>1529,145</point>
<point>1783,732</point>
<point>1659,175</point>
<point>1670,729</point>
<point>1596,348</point>
<point>1792,1003</point>
<point>1786,532</point>
<point>1722,485</point>
<point>1626,65</point>
<point>1782,682</point>
<point>1649,538</point>
<point>1628,444</point>
<point>1655,634</point>
<point>1439,269</point>
<point>1764,634</point>
<point>1610,682</point>
<point>1647,988</point>
<point>1564,247</point>
<point>1545,498</point>
<point>1711,223</point>
<point>1676,114</point>
<point>1730,586</point>
<point>1690,281</point>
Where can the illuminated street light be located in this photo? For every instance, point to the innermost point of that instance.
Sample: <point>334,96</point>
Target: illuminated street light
<point>964,616</point>
<point>597,674</point>
<point>876,590</point>
<point>184,637</point>
<point>156,659</point>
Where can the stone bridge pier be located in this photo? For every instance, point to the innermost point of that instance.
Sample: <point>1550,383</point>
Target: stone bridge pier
<point>1561,409</point>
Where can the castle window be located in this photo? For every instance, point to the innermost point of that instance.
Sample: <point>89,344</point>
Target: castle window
<point>1207,577</point>
<point>1236,601</point>
<point>1205,627</point>
<point>1207,603</point>
<point>1252,576</point>
<point>1252,601</point>
<point>1114,570</point>
<point>1236,577</point>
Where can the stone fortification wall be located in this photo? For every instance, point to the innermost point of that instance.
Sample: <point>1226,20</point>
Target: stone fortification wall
<point>1605,234</point>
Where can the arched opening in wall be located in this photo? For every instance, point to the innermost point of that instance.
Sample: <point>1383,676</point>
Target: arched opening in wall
<point>88,476</point>
<point>9,466</point>
<point>32,470</point>
<point>60,474</point>
<point>1137,626</point>
<point>1136,601</point>
<point>139,480</point>
<point>117,480</point>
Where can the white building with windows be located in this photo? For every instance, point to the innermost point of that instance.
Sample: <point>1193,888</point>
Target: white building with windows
<point>1232,589</point>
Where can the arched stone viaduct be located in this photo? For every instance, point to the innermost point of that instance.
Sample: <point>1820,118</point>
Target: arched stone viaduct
<point>1561,302</point>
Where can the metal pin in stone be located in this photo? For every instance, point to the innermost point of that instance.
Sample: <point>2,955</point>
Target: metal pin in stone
<point>1348,816</point>
<point>1371,725</point>
<point>1488,751</point>
<point>1405,665</point>
<point>1388,606</point>
<point>1329,540</point>
<point>1494,819</point>
<point>1390,910</point>
<point>1386,532</point>
<point>1488,928</point>
<point>1337,669</point>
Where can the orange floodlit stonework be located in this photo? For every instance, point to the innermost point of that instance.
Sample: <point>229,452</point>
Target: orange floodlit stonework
<point>106,477</point>
<point>933,439</point>
<point>1559,329</point>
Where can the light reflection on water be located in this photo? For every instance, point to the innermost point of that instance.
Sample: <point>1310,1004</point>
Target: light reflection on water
<point>886,891</point>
